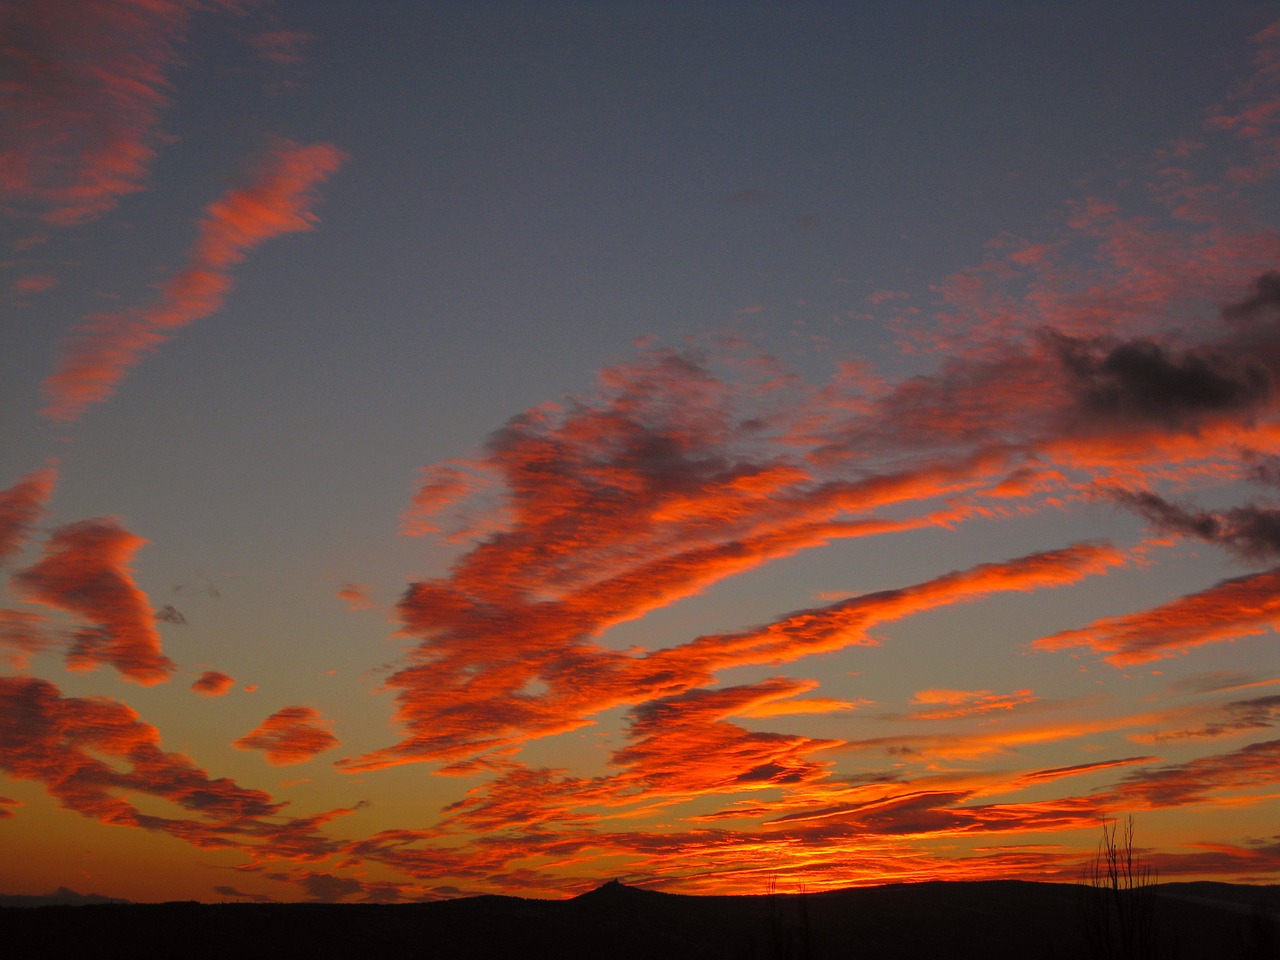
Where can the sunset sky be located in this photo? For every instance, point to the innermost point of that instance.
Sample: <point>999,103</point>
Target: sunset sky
<point>469,447</point>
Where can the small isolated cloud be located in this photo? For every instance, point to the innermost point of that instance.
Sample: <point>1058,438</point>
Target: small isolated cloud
<point>170,614</point>
<point>356,595</point>
<point>290,735</point>
<point>439,486</point>
<point>213,683</point>
<point>749,197</point>
<point>34,284</point>
<point>5,803</point>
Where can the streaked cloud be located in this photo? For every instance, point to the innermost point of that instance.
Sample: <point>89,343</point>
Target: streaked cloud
<point>276,200</point>
<point>1231,609</point>
<point>86,84</point>
<point>20,506</point>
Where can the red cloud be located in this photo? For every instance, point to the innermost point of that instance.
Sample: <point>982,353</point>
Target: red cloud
<point>60,742</point>
<point>24,634</point>
<point>85,571</point>
<point>290,735</point>
<point>213,683</point>
<point>46,737</point>
<point>36,283</point>
<point>20,506</point>
<point>277,201</point>
<point>84,88</point>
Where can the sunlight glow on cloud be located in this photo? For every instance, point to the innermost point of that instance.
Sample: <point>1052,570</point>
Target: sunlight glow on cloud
<point>732,613</point>
<point>277,200</point>
<point>290,735</point>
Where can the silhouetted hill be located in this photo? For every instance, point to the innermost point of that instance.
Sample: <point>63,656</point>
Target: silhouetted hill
<point>955,921</point>
<point>60,897</point>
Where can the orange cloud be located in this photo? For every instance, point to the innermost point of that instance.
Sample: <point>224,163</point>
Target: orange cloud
<point>290,735</point>
<point>61,742</point>
<point>85,572</point>
<point>213,683</point>
<point>955,704</point>
<point>84,89</point>
<point>1239,607</point>
<point>46,737</point>
<point>20,506</point>
<point>276,201</point>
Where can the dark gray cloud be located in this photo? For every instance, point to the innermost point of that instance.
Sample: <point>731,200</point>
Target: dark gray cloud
<point>1251,532</point>
<point>1257,713</point>
<point>1263,303</point>
<point>1145,382</point>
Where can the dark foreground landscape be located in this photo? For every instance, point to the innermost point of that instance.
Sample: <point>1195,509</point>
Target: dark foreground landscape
<point>938,921</point>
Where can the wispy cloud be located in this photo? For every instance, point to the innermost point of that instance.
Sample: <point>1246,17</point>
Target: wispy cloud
<point>1252,531</point>
<point>1235,608</point>
<point>21,505</point>
<point>81,104</point>
<point>276,200</point>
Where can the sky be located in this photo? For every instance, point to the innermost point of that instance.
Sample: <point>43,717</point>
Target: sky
<point>468,448</point>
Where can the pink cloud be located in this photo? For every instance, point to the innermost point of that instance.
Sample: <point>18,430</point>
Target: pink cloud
<point>277,200</point>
